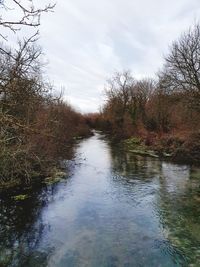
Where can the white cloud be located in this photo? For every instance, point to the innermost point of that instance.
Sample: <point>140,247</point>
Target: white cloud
<point>85,41</point>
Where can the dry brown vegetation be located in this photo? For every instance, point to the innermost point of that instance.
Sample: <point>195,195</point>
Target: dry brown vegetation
<point>36,127</point>
<point>164,112</point>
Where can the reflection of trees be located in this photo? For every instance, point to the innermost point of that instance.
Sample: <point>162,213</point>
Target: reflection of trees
<point>133,176</point>
<point>177,201</point>
<point>178,209</point>
<point>131,166</point>
<point>19,230</point>
<point>21,224</point>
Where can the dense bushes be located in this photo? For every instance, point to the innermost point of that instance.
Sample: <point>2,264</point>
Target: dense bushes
<point>189,151</point>
<point>162,118</point>
<point>36,127</point>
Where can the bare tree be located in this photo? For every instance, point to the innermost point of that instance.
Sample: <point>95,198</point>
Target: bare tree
<point>140,95</point>
<point>29,14</point>
<point>182,68</point>
<point>119,88</point>
<point>21,87</point>
<point>145,88</point>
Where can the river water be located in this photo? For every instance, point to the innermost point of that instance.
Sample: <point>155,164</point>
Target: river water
<point>114,209</point>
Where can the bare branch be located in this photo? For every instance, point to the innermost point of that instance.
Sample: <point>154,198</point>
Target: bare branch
<point>30,16</point>
<point>182,68</point>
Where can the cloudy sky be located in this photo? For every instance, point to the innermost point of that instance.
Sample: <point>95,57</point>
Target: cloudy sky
<point>85,41</point>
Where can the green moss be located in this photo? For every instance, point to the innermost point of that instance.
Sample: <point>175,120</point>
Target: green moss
<point>135,145</point>
<point>20,197</point>
<point>55,178</point>
<point>195,174</point>
<point>60,174</point>
<point>133,141</point>
<point>144,153</point>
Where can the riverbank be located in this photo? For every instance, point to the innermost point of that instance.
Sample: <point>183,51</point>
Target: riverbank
<point>54,169</point>
<point>185,151</point>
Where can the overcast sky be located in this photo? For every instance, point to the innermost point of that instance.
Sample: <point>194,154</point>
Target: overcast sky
<point>85,41</point>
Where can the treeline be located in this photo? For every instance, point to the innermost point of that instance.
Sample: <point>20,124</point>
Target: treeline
<point>164,112</point>
<point>36,127</point>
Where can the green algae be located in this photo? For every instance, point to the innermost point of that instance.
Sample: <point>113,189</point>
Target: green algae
<point>135,145</point>
<point>195,174</point>
<point>55,178</point>
<point>144,153</point>
<point>20,197</point>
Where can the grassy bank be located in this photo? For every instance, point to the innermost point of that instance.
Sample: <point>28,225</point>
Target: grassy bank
<point>168,147</point>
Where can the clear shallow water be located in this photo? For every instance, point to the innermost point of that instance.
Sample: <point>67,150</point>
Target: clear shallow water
<point>114,210</point>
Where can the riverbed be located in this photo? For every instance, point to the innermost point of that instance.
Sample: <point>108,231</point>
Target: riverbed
<point>113,209</point>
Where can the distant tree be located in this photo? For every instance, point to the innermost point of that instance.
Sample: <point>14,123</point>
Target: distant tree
<point>118,98</point>
<point>118,87</point>
<point>182,68</point>
<point>141,92</point>
<point>126,102</point>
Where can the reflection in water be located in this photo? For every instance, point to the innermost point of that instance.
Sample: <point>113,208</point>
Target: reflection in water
<point>19,234</point>
<point>117,209</point>
<point>179,210</point>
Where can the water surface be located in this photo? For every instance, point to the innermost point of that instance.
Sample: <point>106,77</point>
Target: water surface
<point>113,209</point>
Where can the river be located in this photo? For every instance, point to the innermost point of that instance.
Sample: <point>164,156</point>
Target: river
<point>113,209</point>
